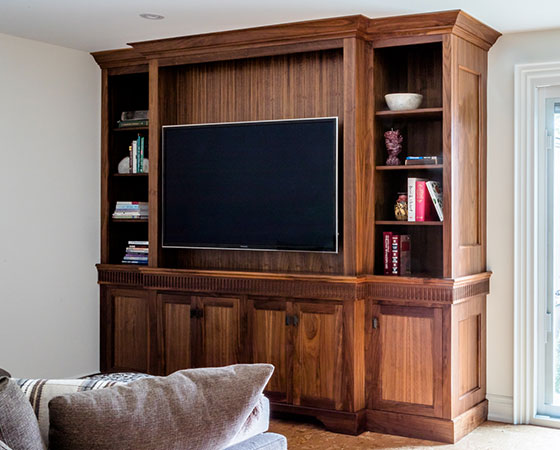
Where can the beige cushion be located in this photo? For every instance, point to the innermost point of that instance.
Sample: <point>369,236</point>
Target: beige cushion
<point>257,422</point>
<point>194,409</point>
<point>40,392</point>
<point>18,425</point>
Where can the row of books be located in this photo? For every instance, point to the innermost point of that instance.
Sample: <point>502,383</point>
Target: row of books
<point>137,150</point>
<point>136,253</point>
<point>131,210</point>
<point>396,254</point>
<point>131,119</point>
<point>425,200</point>
<point>422,160</point>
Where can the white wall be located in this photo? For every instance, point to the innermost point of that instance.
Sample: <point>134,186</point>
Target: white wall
<point>510,49</point>
<point>49,216</point>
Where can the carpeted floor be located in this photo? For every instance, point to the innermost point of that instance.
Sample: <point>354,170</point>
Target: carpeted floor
<point>489,436</point>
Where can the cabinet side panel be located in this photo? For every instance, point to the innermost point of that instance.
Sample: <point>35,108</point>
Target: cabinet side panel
<point>469,75</point>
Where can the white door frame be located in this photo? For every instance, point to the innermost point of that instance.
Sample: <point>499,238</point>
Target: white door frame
<point>529,80</point>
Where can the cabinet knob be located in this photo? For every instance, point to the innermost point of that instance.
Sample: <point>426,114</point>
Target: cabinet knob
<point>375,323</point>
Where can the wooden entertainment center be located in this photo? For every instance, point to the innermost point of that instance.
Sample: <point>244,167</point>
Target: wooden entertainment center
<point>354,348</point>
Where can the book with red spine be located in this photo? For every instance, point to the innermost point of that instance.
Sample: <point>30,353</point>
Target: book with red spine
<point>424,207</point>
<point>404,254</point>
<point>395,254</point>
<point>387,252</point>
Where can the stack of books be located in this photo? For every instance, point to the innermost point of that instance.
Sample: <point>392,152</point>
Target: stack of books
<point>131,210</point>
<point>137,149</point>
<point>425,200</point>
<point>396,254</point>
<point>136,253</point>
<point>422,160</point>
<point>133,119</point>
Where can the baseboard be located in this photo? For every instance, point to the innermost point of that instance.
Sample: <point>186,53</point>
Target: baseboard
<point>500,408</point>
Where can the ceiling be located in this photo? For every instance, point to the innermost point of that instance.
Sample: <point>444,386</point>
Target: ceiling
<point>93,25</point>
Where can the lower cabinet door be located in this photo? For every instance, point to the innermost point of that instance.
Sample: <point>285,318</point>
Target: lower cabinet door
<point>269,333</point>
<point>125,312</point>
<point>177,321</point>
<point>220,331</point>
<point>318,356</point>
<point>406,359</point>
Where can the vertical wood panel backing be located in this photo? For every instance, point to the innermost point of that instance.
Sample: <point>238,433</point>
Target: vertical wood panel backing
<point>154,175</point>
<point>130,331</point>
<point>177,336</point>
<point>359,195</point>
<point>105,204</point>
<point>448,61</point>
<point>279,87</point>
<point>468,107</point>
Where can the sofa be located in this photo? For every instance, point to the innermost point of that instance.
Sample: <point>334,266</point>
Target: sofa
<point>70,414</point>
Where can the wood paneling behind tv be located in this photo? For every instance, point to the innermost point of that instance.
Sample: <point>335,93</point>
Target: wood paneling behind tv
<point>352,347</point>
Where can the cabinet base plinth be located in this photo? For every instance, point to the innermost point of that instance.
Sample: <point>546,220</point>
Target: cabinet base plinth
<point>336,421</point>
<point>430,428</point>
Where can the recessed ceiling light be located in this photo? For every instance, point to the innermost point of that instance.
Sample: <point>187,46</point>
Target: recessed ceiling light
<point>150,16</point>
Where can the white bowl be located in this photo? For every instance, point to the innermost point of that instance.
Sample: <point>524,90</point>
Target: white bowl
<point>402,101</point>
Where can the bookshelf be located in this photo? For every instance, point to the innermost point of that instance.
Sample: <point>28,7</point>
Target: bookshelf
<point>346,359</point>
<point>124,92</point>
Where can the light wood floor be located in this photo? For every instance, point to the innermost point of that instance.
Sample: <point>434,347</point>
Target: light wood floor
<point>489,436</point>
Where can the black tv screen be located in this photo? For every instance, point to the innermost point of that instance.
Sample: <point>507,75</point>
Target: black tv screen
<point>267,185</point>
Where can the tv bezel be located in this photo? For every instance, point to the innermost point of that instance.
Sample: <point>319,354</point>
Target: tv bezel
<point>248,248</point>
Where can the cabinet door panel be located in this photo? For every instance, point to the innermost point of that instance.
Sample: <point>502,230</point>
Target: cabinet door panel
<point>177,331</point>
<point>220,331</point>
<point>318,363</point>
<point>407,359</point>
<point>130,329</point>
<point>269,341</point>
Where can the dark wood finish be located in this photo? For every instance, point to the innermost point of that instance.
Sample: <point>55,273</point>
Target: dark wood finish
<point>430,428</point>
<point>318,355</point>
<point>129,329</point>
<point>406,359</point>
<point>421,371</point>
<point>271,335</point>
<point>177,330</point>
<point>411,167</point>
<point>424,113</point>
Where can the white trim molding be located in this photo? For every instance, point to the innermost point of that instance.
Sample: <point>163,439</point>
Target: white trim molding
<point>500,408</point>
<point>529,80</point>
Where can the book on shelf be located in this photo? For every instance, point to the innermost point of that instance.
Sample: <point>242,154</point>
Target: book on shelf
<point>411,194</point>
<point>138,118</point>
<point>131,210</point>
<point>136,253</point>
<point>424,209</point>
<point>396,254</point>
<point>436,194</point>
<point>422,160</point>
<point>136,153</point>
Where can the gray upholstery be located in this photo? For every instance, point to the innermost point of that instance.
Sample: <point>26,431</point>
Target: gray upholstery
<point>264,441</point>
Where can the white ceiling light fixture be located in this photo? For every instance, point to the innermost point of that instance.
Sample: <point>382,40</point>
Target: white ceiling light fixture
<point>151,16</point>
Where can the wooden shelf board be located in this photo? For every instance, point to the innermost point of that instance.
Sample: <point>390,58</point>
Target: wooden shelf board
<point>411,167</point>
<point>131,129</point>
<point>411,113</point>
<point>130,175</point>
<point>129,220</point>
<point>406,223</point>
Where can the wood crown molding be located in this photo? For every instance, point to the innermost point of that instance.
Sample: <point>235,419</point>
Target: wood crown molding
<point>297,36</point>
<point>339,288</point>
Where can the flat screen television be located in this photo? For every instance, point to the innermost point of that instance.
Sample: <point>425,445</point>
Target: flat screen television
<point>266,185</point>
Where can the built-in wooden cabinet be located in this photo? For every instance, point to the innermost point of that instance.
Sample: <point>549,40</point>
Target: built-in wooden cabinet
<point>126,329</point>
<point>351,346</point>
<point>406,359</point>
